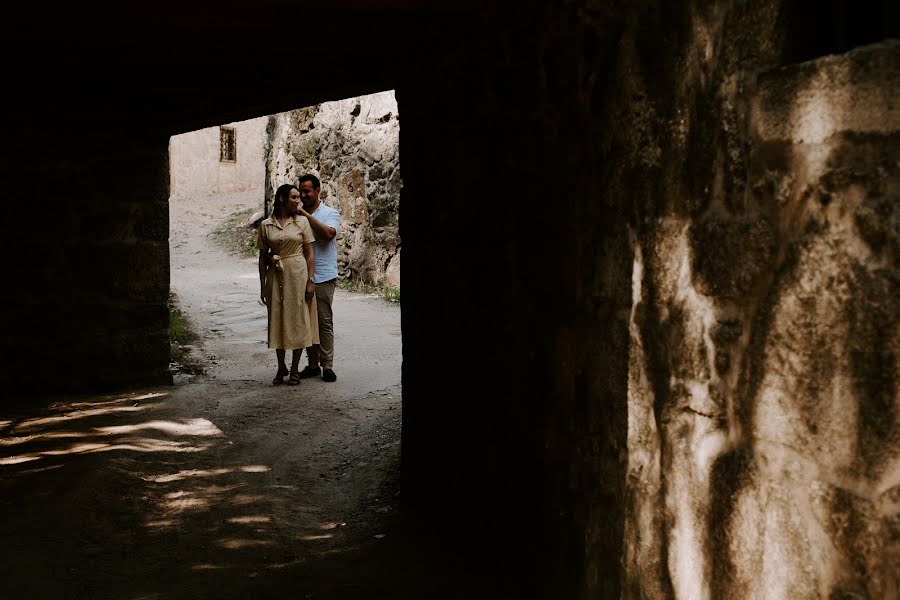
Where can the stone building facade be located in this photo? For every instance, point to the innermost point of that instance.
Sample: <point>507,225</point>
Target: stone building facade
<point>352,145</point>
<point>224,159</point>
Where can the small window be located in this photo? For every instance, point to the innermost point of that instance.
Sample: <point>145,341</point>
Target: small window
<point>227,145</point>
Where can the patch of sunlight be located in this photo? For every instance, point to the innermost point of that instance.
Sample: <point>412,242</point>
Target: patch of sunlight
<point>239,544</point>
<point>147,396</point>
<point>218,489</point>
<point>255,469</point>
<point>185,500</point>
<point>160,524</point>
<point>76,449</point>
<point>61,435</point>
<point>242,499</point>
<point>816,115</point>
<point>71,416</point>
<point>139,445</point>
<point>180,475</point>
<point>76,405</point>
<point>186,503</point>
<point>153,445</point>
<point>136,445</point>
<point>205,567</point>
<point>18,440</point>
<point>314,538</point>
<point>15,460</point>
<point>249,520</point>
<point>197,427</point>
<point>889,480</point>
<point>12,441</point>
<point>70,406</point>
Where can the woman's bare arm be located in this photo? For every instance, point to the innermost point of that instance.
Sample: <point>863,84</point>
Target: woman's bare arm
<point>262,275</point>
<point>310,269</point>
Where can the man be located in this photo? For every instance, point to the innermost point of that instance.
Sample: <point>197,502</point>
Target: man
<point>325,222</point>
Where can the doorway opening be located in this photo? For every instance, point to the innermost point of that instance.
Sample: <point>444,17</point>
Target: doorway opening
<point>326,454</point>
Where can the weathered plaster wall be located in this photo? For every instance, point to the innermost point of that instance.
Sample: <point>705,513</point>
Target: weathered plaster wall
<point>197,172</point>
<point>655,277</point>
<point>352,145</point>
<point>764,416</point>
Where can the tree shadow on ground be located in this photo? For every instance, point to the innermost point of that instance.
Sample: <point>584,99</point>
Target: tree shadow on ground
<point>123,496</point>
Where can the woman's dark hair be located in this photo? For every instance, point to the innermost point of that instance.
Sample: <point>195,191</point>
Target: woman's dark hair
<point>281,195</point>
<point>312,179</point>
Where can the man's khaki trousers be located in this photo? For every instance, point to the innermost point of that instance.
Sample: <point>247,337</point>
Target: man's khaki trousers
<point>323,352</point>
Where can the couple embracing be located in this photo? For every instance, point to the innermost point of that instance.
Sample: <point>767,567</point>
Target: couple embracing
<point>297,276</point>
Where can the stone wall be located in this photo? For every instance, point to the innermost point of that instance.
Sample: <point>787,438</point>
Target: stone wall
<point>764,443</point>
<point>85,303</point>
<point>353,147</point>
<point>197,172</point>
<point>671,254</point>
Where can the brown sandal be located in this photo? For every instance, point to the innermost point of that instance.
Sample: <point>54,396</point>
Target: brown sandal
<point>279,376</point>
<point>294,379</point>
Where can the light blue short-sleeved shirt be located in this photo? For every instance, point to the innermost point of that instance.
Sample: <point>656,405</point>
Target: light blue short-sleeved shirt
<point>326,250</point>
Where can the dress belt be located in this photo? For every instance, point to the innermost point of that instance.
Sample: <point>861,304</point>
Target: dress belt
<point>278,258</point>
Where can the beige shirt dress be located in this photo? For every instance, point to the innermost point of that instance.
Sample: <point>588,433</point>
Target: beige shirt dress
<point>293,324</point>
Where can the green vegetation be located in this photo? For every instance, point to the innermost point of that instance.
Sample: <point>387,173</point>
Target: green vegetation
<point>357,287</point>
<point>387,293</point>
<point>180,335</point>
<point>236,236</point>
<point>391,294</point>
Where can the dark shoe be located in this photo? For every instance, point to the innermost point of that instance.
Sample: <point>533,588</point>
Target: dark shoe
<point>279,376</point>
<point>310,371</point>
<point>328,375</point>
<point>294,379</point>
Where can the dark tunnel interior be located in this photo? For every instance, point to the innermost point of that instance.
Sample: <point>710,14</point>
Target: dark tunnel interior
<point>650,311</point>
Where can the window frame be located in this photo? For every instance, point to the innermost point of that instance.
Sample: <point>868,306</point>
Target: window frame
<point>224,134</point>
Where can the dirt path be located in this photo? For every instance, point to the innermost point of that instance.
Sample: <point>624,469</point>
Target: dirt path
<point>220,294</point>
<point>226,486</point>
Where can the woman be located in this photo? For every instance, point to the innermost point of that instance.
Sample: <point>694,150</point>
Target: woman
<point>285,281</point>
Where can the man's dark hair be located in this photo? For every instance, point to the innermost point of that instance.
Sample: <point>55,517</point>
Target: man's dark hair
<point>312,179</point>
